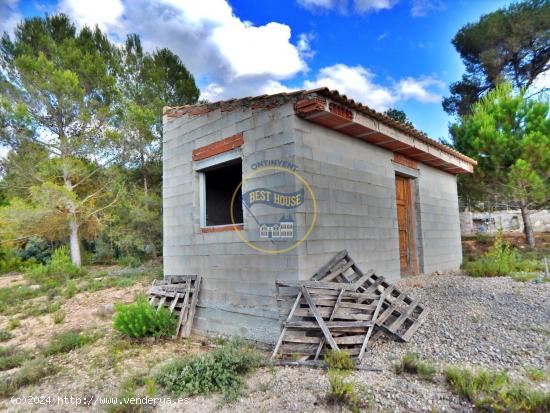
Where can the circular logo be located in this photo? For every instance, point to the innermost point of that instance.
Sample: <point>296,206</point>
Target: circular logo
<point>282,202</point>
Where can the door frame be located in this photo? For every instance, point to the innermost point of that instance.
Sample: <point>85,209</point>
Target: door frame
<point>413,250</point>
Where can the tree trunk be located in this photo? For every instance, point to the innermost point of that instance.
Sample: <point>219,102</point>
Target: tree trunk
<point>527,227</point>
<point>74,242</point>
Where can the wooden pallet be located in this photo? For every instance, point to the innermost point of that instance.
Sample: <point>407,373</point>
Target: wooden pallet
<point>401,315</point>
<point>178,293</point>
<point>317,316</point>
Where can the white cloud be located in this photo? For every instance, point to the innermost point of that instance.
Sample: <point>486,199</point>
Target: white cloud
<point>365,6</point>
<point>421,8</point>
<point>9,16</point>
<point>104,13</point>
<point>418,89</point>
<point>360,6</point>
<point>304,45</point>
<point>234,55</point>
<point>356,82</point>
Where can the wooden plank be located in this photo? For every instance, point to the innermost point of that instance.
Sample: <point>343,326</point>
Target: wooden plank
<point>322,342</point>
<point>161,303</point>
<point>317,285</point>
<point>412,329</point>
<point>319,319</point>
<point>367,336</point>
<point>290,315</point>
<point>401,319</point>
<point>174,302</point>
<point>193,306</point>
<point>182,314</point>
<point>326,268</point>
<point>338,271</point>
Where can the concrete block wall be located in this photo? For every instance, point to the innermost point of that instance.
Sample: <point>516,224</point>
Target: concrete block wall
<point>354,183</point>
<point>439,244</point>
<point>238,291</point>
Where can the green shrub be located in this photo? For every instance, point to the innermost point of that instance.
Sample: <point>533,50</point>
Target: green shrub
<point>67,341</point>
<point>57,271</point>
<point>141,319</point>
<point>9,261</point>
<point>129,261</point>
<point>36,250</point>
<point>10,358</point>
<point>339,360</point>
<point>341,391</point>
<point>493,392</point>
<point>5,335</point>
<point>14,323</point>
<point>500,260</point>
<point>59,317</point>
<point>218,371</point>
<point>70,289</point>
<point>535,373</point>
<point>410,363</point>
<point>30,373</point>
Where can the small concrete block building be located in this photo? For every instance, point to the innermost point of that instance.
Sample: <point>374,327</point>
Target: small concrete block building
<point>271,187</point>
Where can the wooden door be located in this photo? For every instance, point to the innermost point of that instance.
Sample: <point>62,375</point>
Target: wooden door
<point>405,224</point>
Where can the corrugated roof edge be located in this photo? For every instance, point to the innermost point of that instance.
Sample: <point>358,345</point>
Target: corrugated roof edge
<point>231,104</point>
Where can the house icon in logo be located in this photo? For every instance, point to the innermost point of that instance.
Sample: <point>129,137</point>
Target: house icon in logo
<point>284,229</point>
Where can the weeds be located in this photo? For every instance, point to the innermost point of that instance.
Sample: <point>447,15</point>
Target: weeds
<point>14,323</point>
<point>5,335</point>
<point>494,392</point>
<point>410,363</point>
<point>30,373</point>
<point>339,360</point>
<point>140,319</point>
<point>57,271</point>
<point>500,260</point>
<point>11,358</point>
<point>535,373</point>
<point>340,390</point>
<point>59,317</point>
<point>218,371</point>
<point>67,341</point>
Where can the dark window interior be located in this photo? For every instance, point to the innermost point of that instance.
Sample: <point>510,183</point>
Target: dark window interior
<point>220,185</point>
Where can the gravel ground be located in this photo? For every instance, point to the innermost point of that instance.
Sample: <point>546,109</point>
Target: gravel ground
<point>494,323</point>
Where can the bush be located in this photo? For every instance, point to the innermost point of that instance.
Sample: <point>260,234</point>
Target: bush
<point>9,261</point>
<point>500,260</point>
<point>218,371</point>
<point>59,317</point>
<point>129,261</point>
<point>412,365</point>
<point>141,319</point>
<point>5,335</point>
<point>31,372</point>
<point>342,391</point>
<point>10,358</point>
<point>57,271</point>
<point>339,360</point>
<point>67,341</point>
<point>493,392</point>
<point>14,323</point>
<point>37,250</point>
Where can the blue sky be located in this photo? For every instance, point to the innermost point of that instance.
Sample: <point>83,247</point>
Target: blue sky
<point>384,53</point>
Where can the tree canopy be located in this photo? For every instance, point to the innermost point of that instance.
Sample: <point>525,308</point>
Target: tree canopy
<point>82,117</point>
<point>509,136</point>
<point>508,45</point>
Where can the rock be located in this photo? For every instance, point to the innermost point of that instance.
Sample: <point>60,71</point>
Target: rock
<point>34,287</point>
